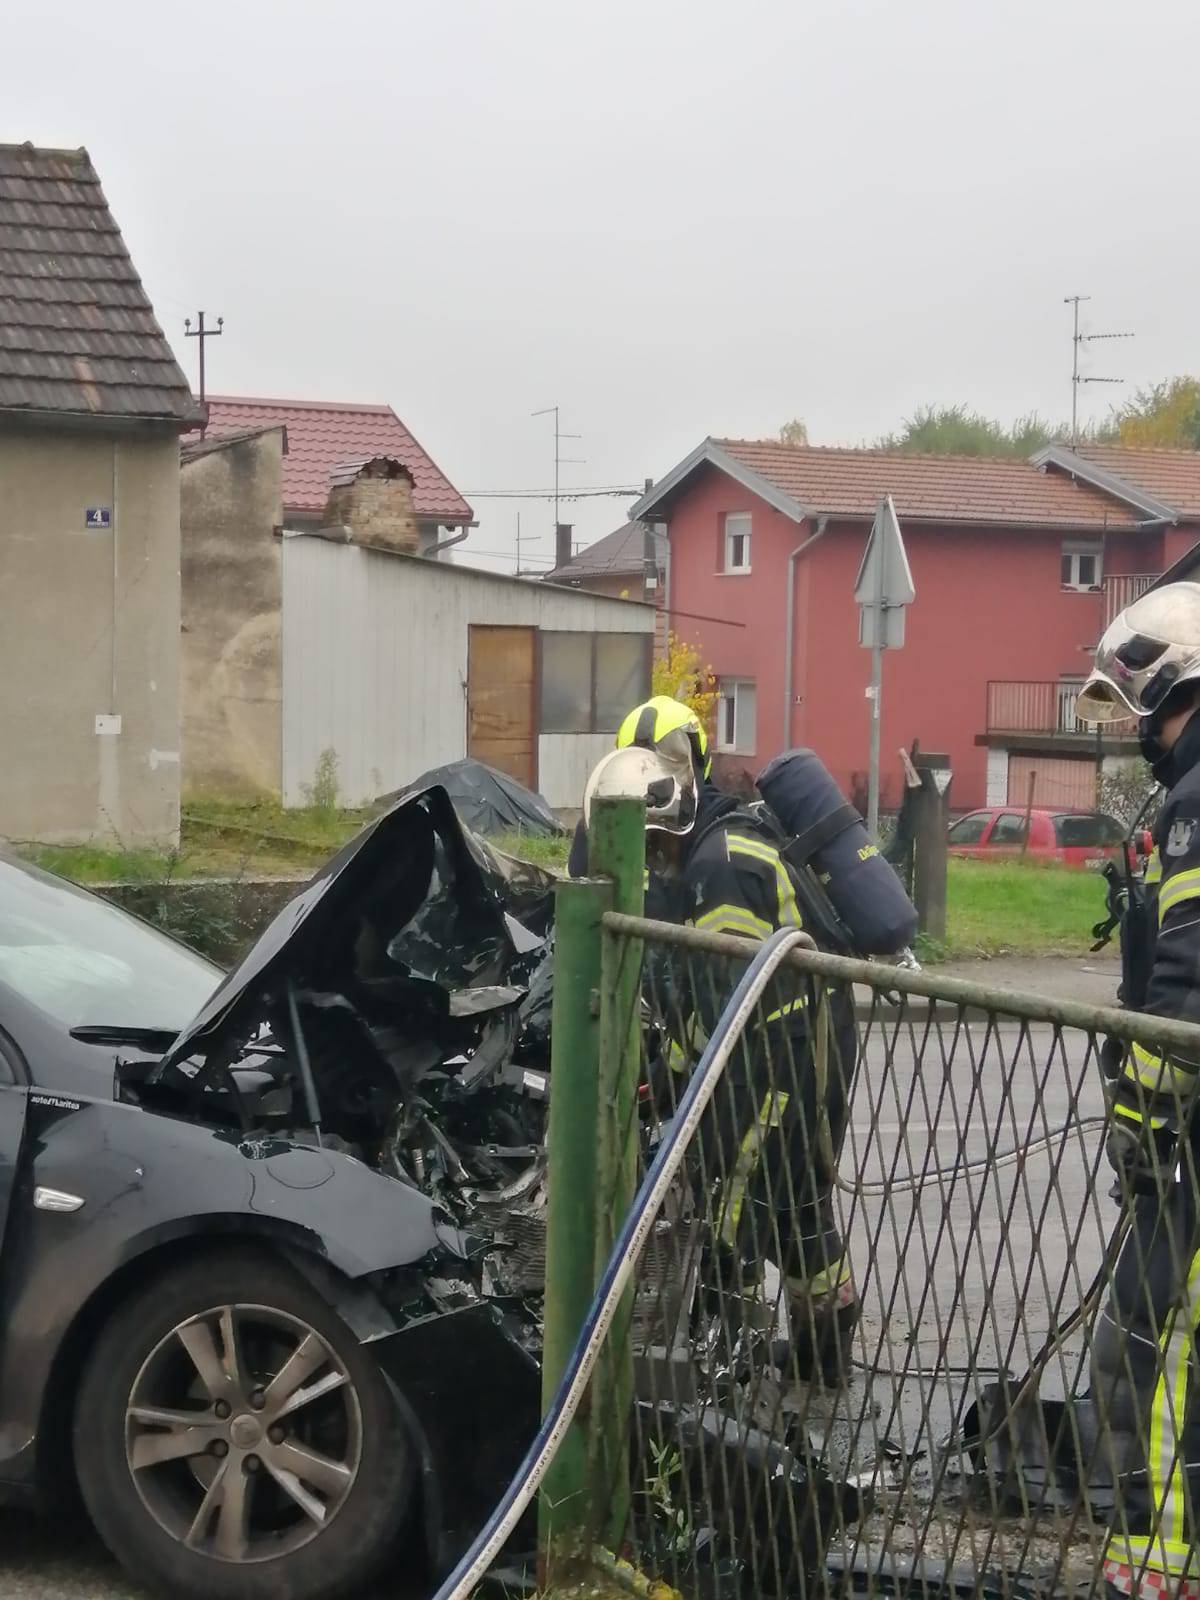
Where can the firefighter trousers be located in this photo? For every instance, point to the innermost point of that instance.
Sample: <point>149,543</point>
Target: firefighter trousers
<point>1146,1389</point>
<point>769,1142</point>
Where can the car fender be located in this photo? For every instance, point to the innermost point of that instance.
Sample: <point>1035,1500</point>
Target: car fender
<point>146,1182</point>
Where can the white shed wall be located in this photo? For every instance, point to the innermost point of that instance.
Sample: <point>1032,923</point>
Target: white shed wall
<point>375,665</point>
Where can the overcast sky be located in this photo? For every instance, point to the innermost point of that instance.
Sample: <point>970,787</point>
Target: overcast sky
<point>672,219</point>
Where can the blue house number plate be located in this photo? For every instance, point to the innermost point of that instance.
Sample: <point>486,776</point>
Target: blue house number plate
<point>98,517</point>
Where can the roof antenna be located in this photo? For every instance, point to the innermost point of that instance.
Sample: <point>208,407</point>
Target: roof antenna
<point>1078,339</point>
<point>202,333</point>
<point>559,460</point>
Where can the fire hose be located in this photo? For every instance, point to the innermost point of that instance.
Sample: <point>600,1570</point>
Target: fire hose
<point>621,1264</point>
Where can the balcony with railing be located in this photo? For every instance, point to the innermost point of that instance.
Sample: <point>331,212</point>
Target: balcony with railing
<point>1043,707</point>
<point>1121,589</point>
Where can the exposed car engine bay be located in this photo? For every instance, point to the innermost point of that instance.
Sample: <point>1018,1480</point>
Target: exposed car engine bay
<point>398,1011</point>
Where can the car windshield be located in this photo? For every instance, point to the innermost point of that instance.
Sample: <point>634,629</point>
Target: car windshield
<point>83,961</point>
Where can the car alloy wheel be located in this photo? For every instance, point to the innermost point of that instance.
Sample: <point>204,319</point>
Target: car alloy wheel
<point>243,1433</point>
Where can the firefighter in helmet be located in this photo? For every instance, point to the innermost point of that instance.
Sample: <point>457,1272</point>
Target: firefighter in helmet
<point>1146,1380</point>
<point>643,728</point>
<point>770,1138</point>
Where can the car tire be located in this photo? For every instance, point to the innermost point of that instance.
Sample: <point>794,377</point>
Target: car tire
<point>189,1478</point>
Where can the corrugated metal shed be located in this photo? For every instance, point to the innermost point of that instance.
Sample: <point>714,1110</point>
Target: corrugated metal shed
<point>77,333</point>
<point>375,660</point>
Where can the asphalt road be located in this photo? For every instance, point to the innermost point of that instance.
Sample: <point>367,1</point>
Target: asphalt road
<point>42,1560</point>
<point>982,1258</point>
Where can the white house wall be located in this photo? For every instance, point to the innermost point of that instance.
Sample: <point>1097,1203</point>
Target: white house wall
<point>375,665</point>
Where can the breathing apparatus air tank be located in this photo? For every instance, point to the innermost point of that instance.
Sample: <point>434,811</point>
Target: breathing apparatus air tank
<point>828,839</point>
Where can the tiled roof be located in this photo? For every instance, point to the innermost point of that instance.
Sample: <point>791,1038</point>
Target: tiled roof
<point>620,552</point>
<point>77,333</point>
<point>322,437</point>
<point>959,489</point>
<point>1172,476</point>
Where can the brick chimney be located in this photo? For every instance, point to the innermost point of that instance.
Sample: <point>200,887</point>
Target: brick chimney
<point>562,543</point>
<point>373,501</point>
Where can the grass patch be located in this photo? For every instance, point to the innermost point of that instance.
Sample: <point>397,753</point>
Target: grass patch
<point>993,908</point>
<point>218,839</point>
<point>223,838</point>
<point>544,852</point>
<point>1015,908</point>
<point>94,863</point>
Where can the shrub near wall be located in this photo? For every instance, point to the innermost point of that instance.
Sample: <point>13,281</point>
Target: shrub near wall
<point>218,917</point>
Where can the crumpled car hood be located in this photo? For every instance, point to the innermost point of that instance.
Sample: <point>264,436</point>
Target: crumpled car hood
<point>449,911</point>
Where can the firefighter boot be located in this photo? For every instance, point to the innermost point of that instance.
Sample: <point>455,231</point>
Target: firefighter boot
<point>823,1322</point>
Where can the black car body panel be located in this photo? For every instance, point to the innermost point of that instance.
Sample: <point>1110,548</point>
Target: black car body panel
<point>164,1155</point>
<point>472,1395</point>
<point>413,874</point>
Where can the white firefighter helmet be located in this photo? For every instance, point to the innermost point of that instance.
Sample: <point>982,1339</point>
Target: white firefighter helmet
<point>664,777</point>
<point>1147,650</point>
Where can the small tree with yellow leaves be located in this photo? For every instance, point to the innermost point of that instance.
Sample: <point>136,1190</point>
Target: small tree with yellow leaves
<point>680,675</point>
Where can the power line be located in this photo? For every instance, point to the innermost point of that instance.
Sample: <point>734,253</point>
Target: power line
<point>507,555</point>
<point>619,491</point>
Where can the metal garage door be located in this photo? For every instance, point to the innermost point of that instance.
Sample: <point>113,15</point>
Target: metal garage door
<point>1068,781</point>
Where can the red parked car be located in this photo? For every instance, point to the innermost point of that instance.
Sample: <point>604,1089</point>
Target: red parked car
<point>1072,838</point>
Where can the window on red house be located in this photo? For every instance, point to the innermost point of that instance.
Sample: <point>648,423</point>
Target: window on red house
<point>1082,566</point>
<point>736,716</point>
<point>737,541</point>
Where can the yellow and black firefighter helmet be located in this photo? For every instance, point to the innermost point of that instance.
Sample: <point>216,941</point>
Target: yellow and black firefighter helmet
<point>648,725</point>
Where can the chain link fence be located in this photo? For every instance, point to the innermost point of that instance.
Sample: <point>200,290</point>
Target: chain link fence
<point>869,1346</point>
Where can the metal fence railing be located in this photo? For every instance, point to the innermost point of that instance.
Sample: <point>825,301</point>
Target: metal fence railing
<point>865,1337</point>
<point>877,1321</point>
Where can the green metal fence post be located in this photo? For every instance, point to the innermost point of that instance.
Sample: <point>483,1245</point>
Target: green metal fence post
<point>572,1210</point>
<point>617,850</point>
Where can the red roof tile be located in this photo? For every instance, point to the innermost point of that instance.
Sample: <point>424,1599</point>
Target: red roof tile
<point>324,436</point>
<point>978,489</point>
<point>1172,476</point>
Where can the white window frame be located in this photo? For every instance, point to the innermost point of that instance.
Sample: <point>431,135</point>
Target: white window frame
<point>1072,552</point>
<point>729,697</point>
<point>738,525</point>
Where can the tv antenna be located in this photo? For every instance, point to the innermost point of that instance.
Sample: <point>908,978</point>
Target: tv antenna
<point>559,459</point>
<point>1075,300</point>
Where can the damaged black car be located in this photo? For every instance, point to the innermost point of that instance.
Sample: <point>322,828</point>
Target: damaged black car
<point>265,1270</point>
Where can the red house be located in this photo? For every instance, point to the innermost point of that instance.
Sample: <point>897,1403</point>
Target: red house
<point>1018,565</point>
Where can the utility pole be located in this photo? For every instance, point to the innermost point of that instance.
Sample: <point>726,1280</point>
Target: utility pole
<point>559,460</point>
<point>1077,339</point>
<point>518,544</point>
<point>202,333</point>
